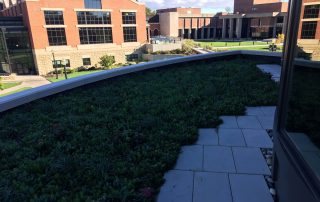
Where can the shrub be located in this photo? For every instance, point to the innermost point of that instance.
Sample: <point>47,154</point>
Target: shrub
<point>187,46</point>
<point>107,61</point>
<point>280,38</point>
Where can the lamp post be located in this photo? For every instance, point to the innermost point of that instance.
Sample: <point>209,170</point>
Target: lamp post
<point>64,63</point>
<point>55,65</point>
<point>3,30</point>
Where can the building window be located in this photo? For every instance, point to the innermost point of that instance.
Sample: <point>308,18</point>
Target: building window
<point>57,36</point>
<point>86,61</point>
<point>308,30</point>
<point>95,4</point>
<point>54,17</point>
<point>95,35</point>
<point>94,18</point>
<point>311,11</point>
<point>280,19</point>
<point>130,34</point>
<point>128,18</point>
<point>132,57</point>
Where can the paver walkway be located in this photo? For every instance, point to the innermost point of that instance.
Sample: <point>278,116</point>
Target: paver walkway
<point>26,81</point>
<point>274,70</point>
<point>226,164</point>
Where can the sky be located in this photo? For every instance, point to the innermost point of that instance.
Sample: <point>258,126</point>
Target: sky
<point>208,6</point>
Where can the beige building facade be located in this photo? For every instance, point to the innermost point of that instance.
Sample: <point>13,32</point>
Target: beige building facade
<point>251,19</point>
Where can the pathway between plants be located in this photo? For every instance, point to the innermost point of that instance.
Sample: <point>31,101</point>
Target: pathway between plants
<point>231,163</point>
<point>226,164</point>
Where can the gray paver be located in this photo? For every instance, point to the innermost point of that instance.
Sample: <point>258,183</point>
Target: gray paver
<point>178,187</point>
<point>250,161</point>
<point>249,188</point>
<point>231,137</point>
<point>257,138</point>
<point>269,111</point>
<point>274,70</point>
<point>209,187</point>
<point>229,122</point>
<point>254,111</point>
<point>190,158</point>
<point>266,121</point>
<point>218,159</point>
<point>248,122</point>
<point>207,136</point>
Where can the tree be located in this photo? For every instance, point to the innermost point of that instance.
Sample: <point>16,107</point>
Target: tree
<point>228,9</point>
<point>150,12</point>
<point>107,61</point>
<point>280,38</point>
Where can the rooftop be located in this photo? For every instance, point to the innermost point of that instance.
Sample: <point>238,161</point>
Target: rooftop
<point>116,138</point>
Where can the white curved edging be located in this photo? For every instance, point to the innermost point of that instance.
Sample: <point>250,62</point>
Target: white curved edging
<point>17,99</point>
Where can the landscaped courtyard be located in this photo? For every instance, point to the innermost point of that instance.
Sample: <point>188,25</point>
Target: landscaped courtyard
<point>236,45</point>
<point>115,139</point>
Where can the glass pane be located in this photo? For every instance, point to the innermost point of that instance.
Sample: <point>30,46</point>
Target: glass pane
<point>303,118</point>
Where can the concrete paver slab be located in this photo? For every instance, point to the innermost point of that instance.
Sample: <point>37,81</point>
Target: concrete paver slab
<point>190,158</point>
<point>209,187</point>
<point>218,159</point>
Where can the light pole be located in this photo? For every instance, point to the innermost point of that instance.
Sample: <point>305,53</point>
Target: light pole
<point>64,63</point>
<point>55,65</point>
<point>6,48</point>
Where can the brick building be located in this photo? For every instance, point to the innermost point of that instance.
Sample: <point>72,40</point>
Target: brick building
<point>310,20</point>
<point>257,19</point>
<point>309,28</point>
<point>82,31</point>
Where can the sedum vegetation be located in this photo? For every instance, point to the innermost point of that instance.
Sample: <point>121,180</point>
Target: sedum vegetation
<point>115,139</point>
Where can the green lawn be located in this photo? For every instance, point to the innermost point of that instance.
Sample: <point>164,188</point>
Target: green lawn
<point>114,140</point>
<point>257,48</point>
<point>10,85</point>
<point>229,43</point>
<point>71,75</point>
<point>16,91</point>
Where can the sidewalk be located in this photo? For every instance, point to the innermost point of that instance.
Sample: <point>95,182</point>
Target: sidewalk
<point>27,82</point>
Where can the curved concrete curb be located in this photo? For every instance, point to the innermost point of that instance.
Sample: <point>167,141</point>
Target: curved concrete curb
<point>15,100</point>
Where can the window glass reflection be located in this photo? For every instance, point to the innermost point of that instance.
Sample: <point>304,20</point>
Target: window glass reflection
<point>303,118</point>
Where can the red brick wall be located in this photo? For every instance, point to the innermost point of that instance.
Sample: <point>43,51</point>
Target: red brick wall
<point>208,21</point>
<point>181,23</point>
<point>180,10</point>
<point>318,31</point>
<point>301,17</point>
<point>34,19</point>
<point>154,26</point>
<point>242,6</point>
<point>265,1</point>
<point>187,10</point>
<point>187,23</point>
<point>263,22</point>
<point>264,8</point>
<point>259,6</point>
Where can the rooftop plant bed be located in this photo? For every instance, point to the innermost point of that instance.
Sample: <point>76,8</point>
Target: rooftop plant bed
<point>114,140</point>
